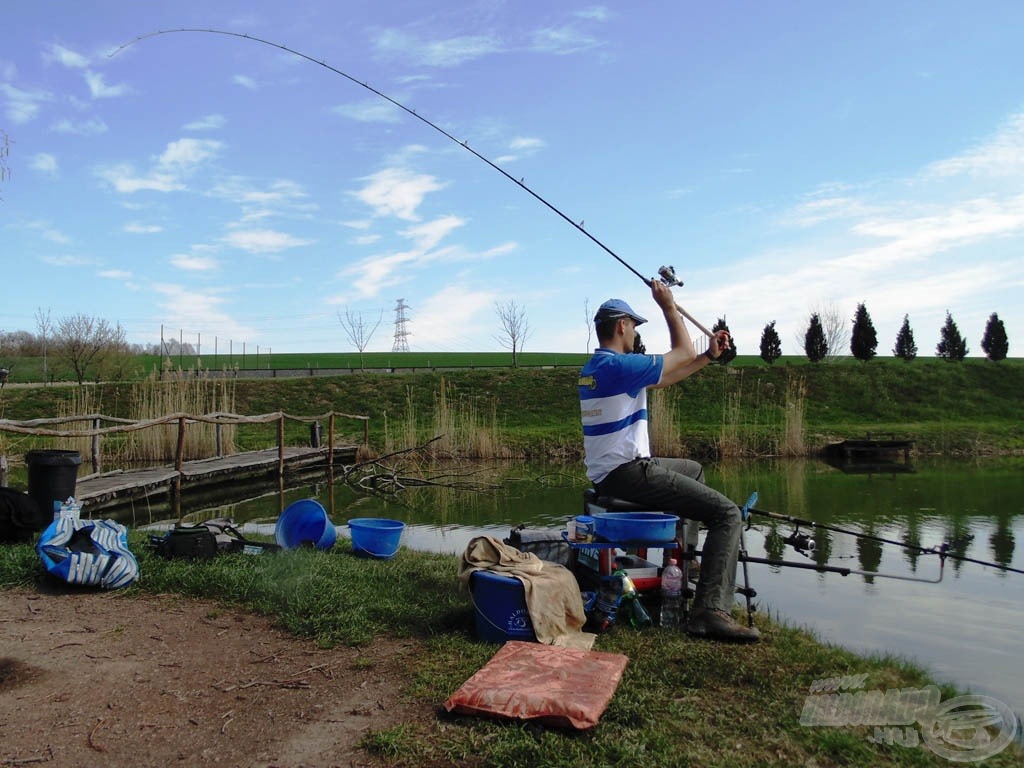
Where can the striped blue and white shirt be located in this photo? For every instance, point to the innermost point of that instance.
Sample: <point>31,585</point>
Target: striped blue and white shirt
<point>613,406</point>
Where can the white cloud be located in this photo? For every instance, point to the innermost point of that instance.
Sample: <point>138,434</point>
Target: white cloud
<point>1001,155</point>
<point>100,90</point>
<point>193,263</point>
<point>187,307</point>
<point>68,260</point>
<point>206,123</point>
<point>184,154</point>
<point>263,240</point>
<point>594,13</point>
<point>428,235</point>
<point>23,106</point>
<point>562,41</point>
<point>91,127</point>
<point>44,163</point>
<point>125,180</point>
<point>245,82</point>
<point>526,144</point>
<point>445,317</point>
<point>142,229</point>
<point>366,239</point>
<point>375,111</point>
<point>66,57</point>
<point>450,52</point>
<point>397,192</point>
<point>47,231</point>
<point>180,159</point>
<point>115,274</point>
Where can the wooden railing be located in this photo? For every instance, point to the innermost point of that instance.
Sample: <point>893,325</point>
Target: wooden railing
<point>42,428</point>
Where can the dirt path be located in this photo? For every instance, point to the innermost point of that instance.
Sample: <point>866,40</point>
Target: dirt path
<point>100,679</point>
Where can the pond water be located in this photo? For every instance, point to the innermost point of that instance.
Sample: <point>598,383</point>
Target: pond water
<point>966,629</point>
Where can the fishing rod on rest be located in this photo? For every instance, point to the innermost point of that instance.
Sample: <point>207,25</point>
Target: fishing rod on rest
<point>943,550</point>
<point>667,273</point>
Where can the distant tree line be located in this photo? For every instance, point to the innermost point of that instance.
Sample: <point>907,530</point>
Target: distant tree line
<point>821,341</point>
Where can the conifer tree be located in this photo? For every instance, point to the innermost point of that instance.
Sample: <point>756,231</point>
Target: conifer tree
<point>864,339</point>
<point>771,344</point>
<point>728,355</point>
<point>994,342</point>
<point>815,344</point>
<point>905,347</point>
<point>951,346</point>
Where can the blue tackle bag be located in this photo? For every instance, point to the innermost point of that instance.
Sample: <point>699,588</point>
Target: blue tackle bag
<point>88,552</point>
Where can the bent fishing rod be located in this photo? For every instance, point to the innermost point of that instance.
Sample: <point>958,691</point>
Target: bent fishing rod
<point>796,539</point>
<point>667,273</point>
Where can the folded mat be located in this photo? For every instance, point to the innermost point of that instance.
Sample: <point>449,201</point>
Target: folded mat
<point>551,592</point>
<point>566,687</point>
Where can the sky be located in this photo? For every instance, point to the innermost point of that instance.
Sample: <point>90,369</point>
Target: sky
<point>785,158</point>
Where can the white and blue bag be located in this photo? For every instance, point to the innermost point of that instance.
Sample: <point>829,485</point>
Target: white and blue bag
<point>88,552</point>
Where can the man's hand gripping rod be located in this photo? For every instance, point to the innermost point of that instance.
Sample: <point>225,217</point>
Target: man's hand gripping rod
<point>668,277</point>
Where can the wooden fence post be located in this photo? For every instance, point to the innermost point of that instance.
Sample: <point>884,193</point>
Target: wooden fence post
<point>96,447</point>
<point>219,439</point>
<point>179,454</point>
<point>280,446</point>
<point>330,441</point>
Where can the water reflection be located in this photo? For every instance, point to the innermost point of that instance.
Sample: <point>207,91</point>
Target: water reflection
<point>966,630</point>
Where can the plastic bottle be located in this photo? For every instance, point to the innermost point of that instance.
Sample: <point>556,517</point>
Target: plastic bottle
<point>671,593</point>
<point>630,604</point>
<point>605,607</point>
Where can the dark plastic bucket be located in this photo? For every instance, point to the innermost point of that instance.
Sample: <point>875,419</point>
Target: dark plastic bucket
<point>501,612</point>
<point>52,476</point>
<point>305,524</point>
<point>375,536</point>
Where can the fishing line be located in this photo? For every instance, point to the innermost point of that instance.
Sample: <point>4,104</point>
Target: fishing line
<point>464,144</point>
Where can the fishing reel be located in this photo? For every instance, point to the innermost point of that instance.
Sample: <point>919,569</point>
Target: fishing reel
<point>668,276</point>
<point>800,541</point>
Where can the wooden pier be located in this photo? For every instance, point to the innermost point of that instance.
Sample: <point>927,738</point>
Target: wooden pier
<point>114,489</point>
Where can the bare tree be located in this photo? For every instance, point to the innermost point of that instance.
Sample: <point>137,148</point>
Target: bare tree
<point>89,345</point>
<point>515,328</point>
<point>45,327</point>
<point>833,325</point>
<point>358,331</point>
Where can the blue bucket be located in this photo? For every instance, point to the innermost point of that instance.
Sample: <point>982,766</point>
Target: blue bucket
<point>303,524</point>
<point>501,612</point>
<point>376,536</point>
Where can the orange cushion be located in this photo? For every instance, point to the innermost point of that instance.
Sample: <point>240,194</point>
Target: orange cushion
<point>565,687</point>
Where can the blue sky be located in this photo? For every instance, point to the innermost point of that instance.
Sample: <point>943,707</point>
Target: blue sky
<point>785,157</point>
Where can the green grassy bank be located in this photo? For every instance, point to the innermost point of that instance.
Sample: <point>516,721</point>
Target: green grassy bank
<point>682,702</point>
<point>971,407</point>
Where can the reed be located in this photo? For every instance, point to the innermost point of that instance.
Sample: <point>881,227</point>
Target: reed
<point>458,428</point>
<point>181,392</point>
<point>663,423</point>
<point>792,442</point>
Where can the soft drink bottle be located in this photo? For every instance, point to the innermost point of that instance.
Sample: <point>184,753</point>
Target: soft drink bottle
<point>671,593</point>
<point>638,616</point>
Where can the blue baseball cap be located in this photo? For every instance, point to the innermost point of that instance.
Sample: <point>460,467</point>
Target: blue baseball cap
<point>617,308</point>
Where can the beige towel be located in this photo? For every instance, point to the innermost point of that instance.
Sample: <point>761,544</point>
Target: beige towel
<point>552,595</point>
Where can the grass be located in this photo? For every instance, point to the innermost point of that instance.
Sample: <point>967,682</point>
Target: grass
<point>682,702</point>
<point>751,409</point>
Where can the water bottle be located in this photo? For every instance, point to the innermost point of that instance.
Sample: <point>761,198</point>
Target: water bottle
<point>671,593</point>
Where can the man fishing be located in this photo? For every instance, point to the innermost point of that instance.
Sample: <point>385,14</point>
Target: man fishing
<point>613,402</point>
